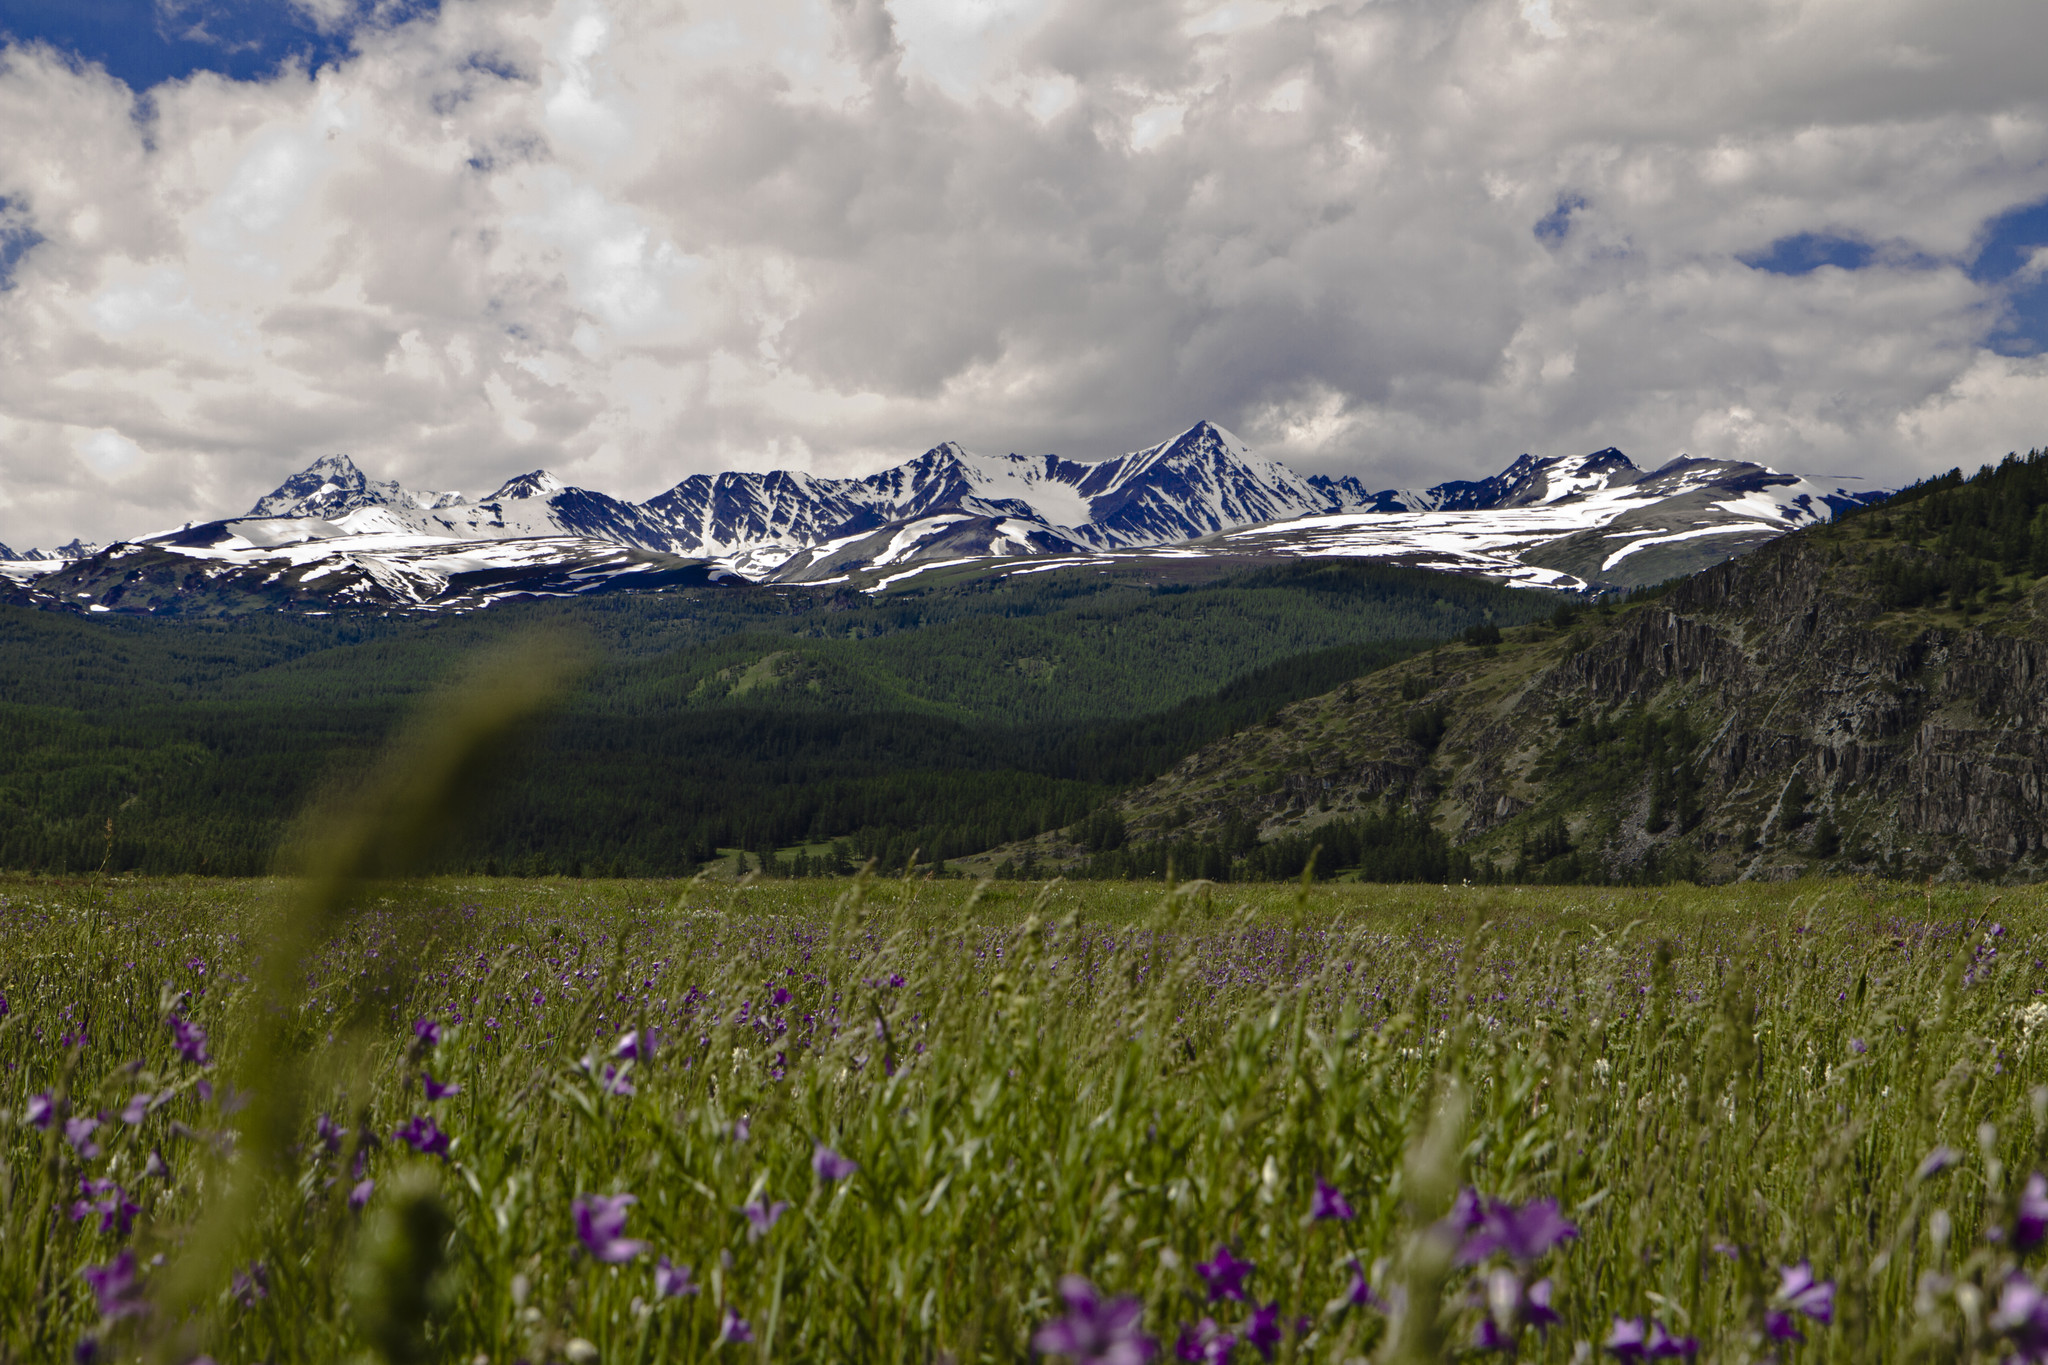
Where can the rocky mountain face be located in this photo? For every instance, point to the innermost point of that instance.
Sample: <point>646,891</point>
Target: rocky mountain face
<point>949,503</point>
<point>75,549</point>
<point>1525,482</point>
<point>1584,523</point>
<point>332,486</point>
<point>1577,523</point>
<point>1870,696</point>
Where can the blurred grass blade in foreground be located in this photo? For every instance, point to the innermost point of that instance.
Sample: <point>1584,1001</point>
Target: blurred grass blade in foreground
<point>432,774</point>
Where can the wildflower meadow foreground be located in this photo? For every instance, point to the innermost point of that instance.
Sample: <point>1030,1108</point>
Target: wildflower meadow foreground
<point>887,1120</point>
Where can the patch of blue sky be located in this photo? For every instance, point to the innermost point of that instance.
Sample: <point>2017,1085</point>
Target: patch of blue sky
<point>1554,226</point>
<point>147,42</point>
<point>1805,252</point>
<point>2001,260</point>
<point>17,235</point>
<point>2004,254</point>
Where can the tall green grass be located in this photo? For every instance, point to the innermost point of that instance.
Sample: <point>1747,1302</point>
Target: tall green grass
<point>1098,1080</point>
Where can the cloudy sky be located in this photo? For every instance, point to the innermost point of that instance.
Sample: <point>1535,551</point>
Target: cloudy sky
<point>632,239</point>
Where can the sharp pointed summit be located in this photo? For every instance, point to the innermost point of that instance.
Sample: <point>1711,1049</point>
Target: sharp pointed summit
<point>539,484</point>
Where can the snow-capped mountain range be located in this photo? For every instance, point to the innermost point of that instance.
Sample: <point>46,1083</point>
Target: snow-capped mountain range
<point>332,535</point>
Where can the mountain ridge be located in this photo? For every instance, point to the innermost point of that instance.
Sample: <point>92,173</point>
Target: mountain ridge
<point>1203,492</point>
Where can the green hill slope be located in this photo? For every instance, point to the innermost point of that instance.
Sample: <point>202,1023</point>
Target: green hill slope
<point>1870,696</point>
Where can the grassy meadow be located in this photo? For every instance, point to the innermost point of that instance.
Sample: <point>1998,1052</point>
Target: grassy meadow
<point>889,1120</point>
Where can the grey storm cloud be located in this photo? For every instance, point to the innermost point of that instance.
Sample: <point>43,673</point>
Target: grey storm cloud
<point>1409,239</point>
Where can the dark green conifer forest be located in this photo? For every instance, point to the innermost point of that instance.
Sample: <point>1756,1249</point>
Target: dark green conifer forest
<point>924,725</point>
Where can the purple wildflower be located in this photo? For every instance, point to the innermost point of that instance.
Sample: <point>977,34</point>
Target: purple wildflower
<point>190,1041</point>
<point>1626,1341</point>
<point>1224,1274</point>
<point>327,1133</point>
<point>1799,1291</point>
<point>116,1210</point>
<point>613,1081</point>
<point>780,998</point>
<point>673,1281</point>
<point>636,1046</point>
<point>156,1166</point>
<point>86,1351</point>
<point>250,1285</point>
<point>1329,1202</point>
<point>426,1034</point>
<point>1361,1294</point>
<point>435,1089</point>
<point>1488,1336</point>
<point>601,1223</point>
<point>78,1132</point>
<point>1468,1211</point>
<point>360,1195</point>
<point>733,1327</point>
<point>1664,1346</point>
<point>1937,1161</point>
<point>424,1136</point>
<point>1525,1234</point>
<point>741,1129</point>
<point>1858,1046</point>
<point>113,1284</point>
<point>2023,1315</point>
<point>1204,1343</point>
<point>1511,1306</point>
<point>1262,1330</point>
<point>1780,1327</point>
<point>830,1165</point>
<point>366,1142</point>
<point>136,1109</point>
<point>41,1111</point>
<point>1096,1331</point>
<point>1504,1310</point>
<point>761,1216</point>
<point>2030,1223</point>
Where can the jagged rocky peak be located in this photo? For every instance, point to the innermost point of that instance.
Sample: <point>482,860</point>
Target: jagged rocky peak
<point>329,487</point>
<point>1530,480</point>
<point>539,484</point>
<point>324,485</point>
<point>333,486</point>
<point>1206,440</point>
<point>77,549</point>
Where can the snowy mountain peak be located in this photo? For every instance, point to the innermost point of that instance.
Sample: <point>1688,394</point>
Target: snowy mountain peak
<point>331,485</point>
<point>1569,476</point>
<point>538,484</point>
<point>1561,521</point>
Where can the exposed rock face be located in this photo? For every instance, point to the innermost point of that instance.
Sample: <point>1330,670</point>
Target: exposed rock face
<point>1803,728</point>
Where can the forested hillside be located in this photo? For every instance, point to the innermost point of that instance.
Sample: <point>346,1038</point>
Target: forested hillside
<point>947,720</point>
<point>1868,696</point>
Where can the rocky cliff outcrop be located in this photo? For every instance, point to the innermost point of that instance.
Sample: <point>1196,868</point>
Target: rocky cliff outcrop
<point>1766,717</point>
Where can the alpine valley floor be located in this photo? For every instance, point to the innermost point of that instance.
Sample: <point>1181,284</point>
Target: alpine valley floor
<point>903,1121</point>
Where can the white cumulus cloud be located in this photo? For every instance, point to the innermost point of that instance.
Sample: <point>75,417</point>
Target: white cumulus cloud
<point>629,241</point>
